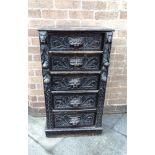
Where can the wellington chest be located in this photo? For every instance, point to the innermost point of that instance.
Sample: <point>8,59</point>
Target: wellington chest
<point>75,65</point>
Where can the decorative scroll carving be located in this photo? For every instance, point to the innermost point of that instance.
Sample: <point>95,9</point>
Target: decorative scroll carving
<point>74,120</point>
<point>67,41</point>
<point>74,101</point>
<point>75,63</point>
<point>72,82</point>
<point>43,36</point>
<point>103,79</point>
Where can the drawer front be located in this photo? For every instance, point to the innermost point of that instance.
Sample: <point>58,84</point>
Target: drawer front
<point>74,120</point>
<point>74,82</point>
<point>80,62</point>
<point>73,101</point>
<point>75,41</point>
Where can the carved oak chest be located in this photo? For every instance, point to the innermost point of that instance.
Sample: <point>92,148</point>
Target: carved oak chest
<point>75,68</point>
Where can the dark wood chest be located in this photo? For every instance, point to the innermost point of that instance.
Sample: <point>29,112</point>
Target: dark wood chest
<point>75,65</point>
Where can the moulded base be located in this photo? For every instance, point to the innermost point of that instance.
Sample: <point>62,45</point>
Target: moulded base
<point>81,130</point>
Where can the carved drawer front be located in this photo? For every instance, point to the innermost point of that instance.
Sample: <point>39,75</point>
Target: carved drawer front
<point>74,120</point>
<point>75,41</point>
<point>80,62</point>
<point>74,82</point>
<point>73,101</point>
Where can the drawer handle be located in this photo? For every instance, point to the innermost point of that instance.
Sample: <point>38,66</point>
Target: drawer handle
<point>74,82</point>
<point>75,42</point>
<point>76,62</point>
<point>74,121</point>
<point>75,102</point>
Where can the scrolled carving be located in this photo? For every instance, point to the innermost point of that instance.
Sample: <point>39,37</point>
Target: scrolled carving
<point>43,36</point>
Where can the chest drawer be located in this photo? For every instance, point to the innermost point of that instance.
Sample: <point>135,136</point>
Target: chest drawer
<point>74,120</point>
<point>74,101</point>
<point>74,82</point>
<point>75,41</point>
<point>74,62</point>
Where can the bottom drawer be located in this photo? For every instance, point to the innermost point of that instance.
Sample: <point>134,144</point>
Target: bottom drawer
<point>74,119</point>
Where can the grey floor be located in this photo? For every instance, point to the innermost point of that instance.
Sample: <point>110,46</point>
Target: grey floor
<point>112,141</point>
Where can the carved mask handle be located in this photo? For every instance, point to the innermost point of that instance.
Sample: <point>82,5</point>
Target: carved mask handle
<point>75,102</point>
<point>75,82</point>
<point>75,42</point>
<point>74,120</point>
<point>76,62</point>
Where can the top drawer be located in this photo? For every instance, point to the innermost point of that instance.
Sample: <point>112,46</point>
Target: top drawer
<point>75,41</point>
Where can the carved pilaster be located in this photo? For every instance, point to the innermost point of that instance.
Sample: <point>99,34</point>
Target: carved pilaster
<point>103,77</point>
<point>46,76</point>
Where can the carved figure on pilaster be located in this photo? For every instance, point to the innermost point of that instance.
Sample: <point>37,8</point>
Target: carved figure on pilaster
<point>43,36</point>
<point>108,37</point>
